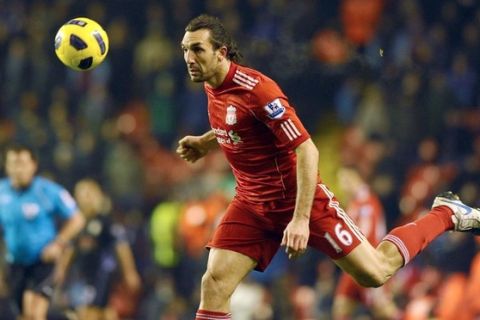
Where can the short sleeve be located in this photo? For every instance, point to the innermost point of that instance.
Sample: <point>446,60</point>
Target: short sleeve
<point>272,107</point>
<point>119,233</point>
<point>65,205</point>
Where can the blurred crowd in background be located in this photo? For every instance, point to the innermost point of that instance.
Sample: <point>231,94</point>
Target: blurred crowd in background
<point>391,87</point>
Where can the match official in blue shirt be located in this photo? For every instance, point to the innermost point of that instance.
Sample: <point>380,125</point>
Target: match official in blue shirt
<point>30,206</point>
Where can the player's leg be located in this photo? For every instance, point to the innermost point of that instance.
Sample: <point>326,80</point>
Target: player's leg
<point>372,267</point>
<point>36,298</point>
<point>225,270</point>
<point>447,213</point>
<point>243,241</point>
<point>17,279</point>
<point>35,306</point>
<point>102,285</point>
<point>333,232</point>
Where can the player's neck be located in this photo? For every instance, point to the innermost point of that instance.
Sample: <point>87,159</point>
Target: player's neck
<point>217,80</point>
<point>20,185</point>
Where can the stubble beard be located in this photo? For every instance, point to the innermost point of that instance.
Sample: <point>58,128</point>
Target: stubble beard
<point>197,78</point>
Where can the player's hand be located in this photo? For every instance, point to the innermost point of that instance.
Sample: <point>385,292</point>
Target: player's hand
<point>52,252</point>
<point>191,148</point>
<point>295,237</point>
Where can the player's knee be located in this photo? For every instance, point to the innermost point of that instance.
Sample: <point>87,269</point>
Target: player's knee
<point>214,284</point>
<point>371,279</point>
<point>374,282</point>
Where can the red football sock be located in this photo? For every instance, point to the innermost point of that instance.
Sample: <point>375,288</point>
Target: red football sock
<point>413,237</point>
<point>212,315</point>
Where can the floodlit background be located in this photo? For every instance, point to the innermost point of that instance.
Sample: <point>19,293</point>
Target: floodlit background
<point>390,86</point>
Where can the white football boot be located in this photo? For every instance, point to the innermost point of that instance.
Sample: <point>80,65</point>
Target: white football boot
<point>465,218</point>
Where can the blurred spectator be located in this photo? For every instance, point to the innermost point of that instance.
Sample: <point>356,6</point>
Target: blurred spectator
<point>360,19</point>
<point>462,80</point>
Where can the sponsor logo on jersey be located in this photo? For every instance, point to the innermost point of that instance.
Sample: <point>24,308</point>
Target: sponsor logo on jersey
<point>231,117</point>
<point>224,137</point>
<point>30,210</point>
<point>234,137</point>
<point>274,109</point>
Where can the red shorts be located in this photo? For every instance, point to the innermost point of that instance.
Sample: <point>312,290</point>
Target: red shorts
<point>256,230</point>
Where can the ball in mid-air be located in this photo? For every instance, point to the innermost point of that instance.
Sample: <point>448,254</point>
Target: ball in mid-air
<point>81,44</point>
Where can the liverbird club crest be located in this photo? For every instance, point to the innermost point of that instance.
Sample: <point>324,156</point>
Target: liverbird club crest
<point>231,117</point>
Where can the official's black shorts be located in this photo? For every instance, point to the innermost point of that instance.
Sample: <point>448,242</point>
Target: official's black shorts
<point>37,278</point>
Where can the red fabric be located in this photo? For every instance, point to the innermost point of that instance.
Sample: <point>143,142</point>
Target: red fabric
<point>415,236</point>
<point>258,131</point>
<point>256,230</point>
<point>212,315</point>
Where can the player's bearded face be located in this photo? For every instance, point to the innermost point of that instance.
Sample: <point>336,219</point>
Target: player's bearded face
<point>20,168</point>
<point>199,55</point>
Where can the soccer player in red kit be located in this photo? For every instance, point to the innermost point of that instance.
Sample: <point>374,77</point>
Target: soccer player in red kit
<point>366,210</point>
<point>280,199</point>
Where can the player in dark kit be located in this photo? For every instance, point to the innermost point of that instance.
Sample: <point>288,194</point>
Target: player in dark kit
<point>29,208</point>
<point>280,199</point>
<point>100,251</point>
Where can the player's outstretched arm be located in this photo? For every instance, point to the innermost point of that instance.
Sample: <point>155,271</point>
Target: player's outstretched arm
<point>297,232</point>
<point>127,263</point>
<point>63,265</point>
<point>69,230</point>
<point>192,148</point>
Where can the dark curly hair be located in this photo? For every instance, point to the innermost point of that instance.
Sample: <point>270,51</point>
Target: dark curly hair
<point>218,35</point>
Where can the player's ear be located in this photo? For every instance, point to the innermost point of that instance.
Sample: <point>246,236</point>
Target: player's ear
<point>223,51</point>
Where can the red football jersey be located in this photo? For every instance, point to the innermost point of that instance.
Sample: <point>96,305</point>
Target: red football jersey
<point>258,131</point>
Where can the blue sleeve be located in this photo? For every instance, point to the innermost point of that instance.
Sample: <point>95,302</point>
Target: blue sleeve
<point>65,205</point>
